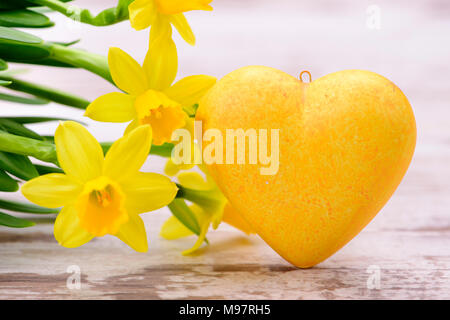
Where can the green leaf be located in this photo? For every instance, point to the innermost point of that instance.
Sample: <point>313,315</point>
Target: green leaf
<point>8,35</point>
<point>21,100</point>
<point>18,165</point>
<point>14,222</point>
<point>105,18</point>
<point>164,150</point>
<point>66,44</point>
<point>18,46</point>
<point>29,120</point>
<point>18,129</point>
<point>41,150</point>
<point>47,169</point>
<point>7,184</point>
<point>15,4</point>
<point>18,4</point>
<point>5,83</point>
<point>24,19</point>
<point>184,214</point>
<point>49,138</point>
<point>3,65</point>
<point>22,52</point>
<point>47,53</point>
<point>46,93</point>
<point>40,62</point>
<point>25,207</point>
<point>92,62</point>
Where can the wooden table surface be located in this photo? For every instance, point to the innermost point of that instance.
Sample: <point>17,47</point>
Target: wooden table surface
<point>407,244</point>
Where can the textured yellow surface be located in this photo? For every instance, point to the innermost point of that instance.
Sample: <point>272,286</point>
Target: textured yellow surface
<point>346,141</point>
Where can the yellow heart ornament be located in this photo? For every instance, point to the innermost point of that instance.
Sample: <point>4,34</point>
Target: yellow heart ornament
<point>345,143</point>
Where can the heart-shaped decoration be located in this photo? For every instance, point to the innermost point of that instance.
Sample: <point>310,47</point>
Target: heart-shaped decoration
<point>345,143</point>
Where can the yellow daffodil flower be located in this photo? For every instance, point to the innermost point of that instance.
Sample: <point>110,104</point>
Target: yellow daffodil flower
<point>149,97</point>
<point>161,14</point>
<point>101,194</point>
<point>207,215</point>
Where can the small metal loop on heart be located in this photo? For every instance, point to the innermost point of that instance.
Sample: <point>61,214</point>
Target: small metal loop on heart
<point>305,72</point>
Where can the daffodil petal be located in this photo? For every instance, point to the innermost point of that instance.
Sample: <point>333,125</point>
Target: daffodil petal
<point>173,229</point>
<point>190,90</point>
<point>148,191</point>
<point>200,239</point>
<point>161,27</point>
<point>133,125</point>
<point>112,107</point>
<point>142,13</point>
<point>233,218</point>
<point>177,6</point>
<point>184,29</point>
<point>161,61</point>
<point>79,154</point>
<point>201,215</point>
<point>193,180</point>
<point>127,74</point>
<point>171,168</point>
<point>127,155</point>
<point>217,214</point>
<point>212,213</point>
<point>133,233</point>
<point>67,229</point>
<point>52,190</point>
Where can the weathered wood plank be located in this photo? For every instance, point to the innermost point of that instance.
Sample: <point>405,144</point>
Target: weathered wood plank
<point>233,266</point>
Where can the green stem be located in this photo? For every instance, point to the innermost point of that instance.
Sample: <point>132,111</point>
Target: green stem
<point>25,207</point>
<point>41,150</point>
<point>51,94</point>
<point>105,18</point>
<point>54,5</point>
<point>184,214</point>
<point>41,169</point>
<point>14,222</point>
<point>92,62</point>
<point>200,197</point>
<point>22,47</point>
